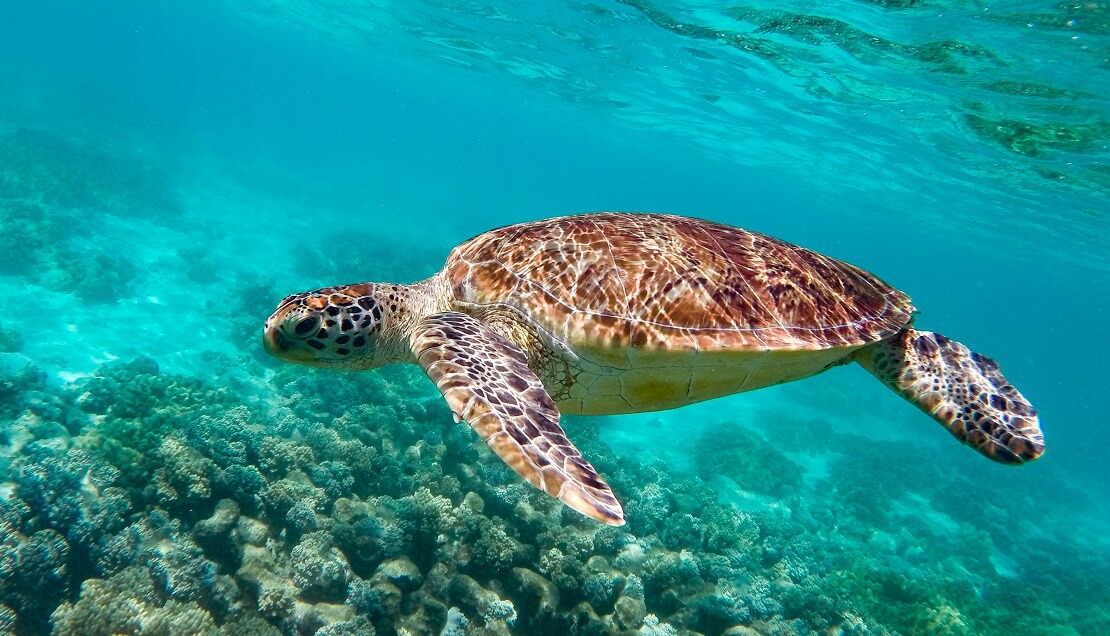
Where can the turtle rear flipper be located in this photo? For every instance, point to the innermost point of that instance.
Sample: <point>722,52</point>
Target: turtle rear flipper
<point>961,389</point>
<point>488,384</point>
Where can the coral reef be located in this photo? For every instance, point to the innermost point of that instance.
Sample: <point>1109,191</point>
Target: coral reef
<point>37,242</point>
<point>72,174</point>
<point>764,468</point>
<point>352,505</point>
<point>10,341</point>
<point>55,193</point>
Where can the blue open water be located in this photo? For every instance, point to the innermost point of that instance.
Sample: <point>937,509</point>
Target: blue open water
<point>170,171</point>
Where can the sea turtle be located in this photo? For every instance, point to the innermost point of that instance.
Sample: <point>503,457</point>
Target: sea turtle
<point>621,313</point>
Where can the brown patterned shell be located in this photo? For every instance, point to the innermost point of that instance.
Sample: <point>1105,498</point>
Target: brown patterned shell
<point>667,283</point>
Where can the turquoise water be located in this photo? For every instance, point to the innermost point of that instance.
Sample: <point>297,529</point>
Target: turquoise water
<point>169,172</point>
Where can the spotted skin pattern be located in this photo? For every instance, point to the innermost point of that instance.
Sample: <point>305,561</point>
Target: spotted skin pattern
<point>618,313</point>
<point>488,384</point>
<point>343,327</point>
<point>962,390</point>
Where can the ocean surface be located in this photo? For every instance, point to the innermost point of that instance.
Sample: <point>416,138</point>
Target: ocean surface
<point>169,171</point>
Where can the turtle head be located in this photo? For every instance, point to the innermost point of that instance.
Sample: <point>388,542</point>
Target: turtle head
<point>334,327</point>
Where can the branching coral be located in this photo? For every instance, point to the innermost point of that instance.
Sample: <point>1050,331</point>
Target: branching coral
<point>180,570</point>
<point>139,390</point>
<point>19,382</point>
<point>493,549</point>
<point>351,507</point>
<point>244,485</point>
<point>366,533</point>
<point>320,570</point>
<point>743,455</point>
<point>128,603</point>
<point>295,490</point>
<point>277,456</point>
<point>184,476</point>
<point>33,573</point>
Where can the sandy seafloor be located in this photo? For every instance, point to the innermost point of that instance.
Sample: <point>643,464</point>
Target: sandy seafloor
<point>167,174</point>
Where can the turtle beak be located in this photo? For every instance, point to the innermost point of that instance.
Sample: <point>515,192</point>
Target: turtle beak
<point>284,348</point>
<point>275,342</point>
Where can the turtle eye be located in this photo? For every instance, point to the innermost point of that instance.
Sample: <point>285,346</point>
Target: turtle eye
<point>307,325</point>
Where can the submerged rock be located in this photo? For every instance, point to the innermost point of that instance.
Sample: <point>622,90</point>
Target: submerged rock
<point>401,572</point>
<point>538,596</point>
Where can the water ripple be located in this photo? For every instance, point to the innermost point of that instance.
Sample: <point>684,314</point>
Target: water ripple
<point>1001,109</point>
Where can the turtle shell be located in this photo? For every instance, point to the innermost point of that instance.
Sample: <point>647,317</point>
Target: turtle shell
<point>674,284</point>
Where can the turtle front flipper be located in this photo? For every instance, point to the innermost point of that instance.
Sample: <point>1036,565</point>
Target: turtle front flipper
<point>487,383</point>
<point>961,389</point>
